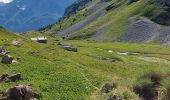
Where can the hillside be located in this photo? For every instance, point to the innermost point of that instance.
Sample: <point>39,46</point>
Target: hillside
<point>64,75</point>
<point>145,21</point>
<point>27,15</point>
<point>76,58</point>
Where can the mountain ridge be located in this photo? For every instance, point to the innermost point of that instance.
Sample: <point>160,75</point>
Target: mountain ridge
<point>26,15</point>
<point>113,24</point>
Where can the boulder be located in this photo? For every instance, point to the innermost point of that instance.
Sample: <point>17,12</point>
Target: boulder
<point>114,97</point>
<point>19,92</point>
<point>108,59</point>
<point>68,48</point>
<point>59,43</point>
<point>7,59</point>
<point>3,52</point>
<point>36,96</point>
<point>2,78</point>
<point>16,43</point>
<point>10,78</point>
<point>108,87</point>
<point>111,60</point>
<point>64,44</point>
<point>14,77</point>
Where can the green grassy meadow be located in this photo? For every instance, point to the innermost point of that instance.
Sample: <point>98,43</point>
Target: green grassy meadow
<point>62,75</point>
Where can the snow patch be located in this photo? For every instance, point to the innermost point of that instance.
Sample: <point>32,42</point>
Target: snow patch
<point>5,1</point>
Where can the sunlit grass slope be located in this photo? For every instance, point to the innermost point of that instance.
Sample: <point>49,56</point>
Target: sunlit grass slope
<point>112,25</point>
<point>64,75</point>
<point>116,21</point>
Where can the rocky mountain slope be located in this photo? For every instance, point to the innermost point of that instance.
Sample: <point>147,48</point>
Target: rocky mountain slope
<point>26,15</point>
<point>116,20</point>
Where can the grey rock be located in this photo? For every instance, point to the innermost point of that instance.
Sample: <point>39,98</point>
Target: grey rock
<point>6,59</point>
<point>108,87</point>
<point>68,48</point>
<point>19,92</point>
<point>10,78</point>
<point>114,97</point>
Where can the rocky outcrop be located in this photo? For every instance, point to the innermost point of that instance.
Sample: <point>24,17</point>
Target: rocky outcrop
<point>3,52</point>
<point>69,48</point>
<point>16,43</point>
<point>10,78</point>
<point>108,87</point>
<point>114,97</point>
<point>19,92</point>
<point>7,59</point>
<point>64,44</point>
